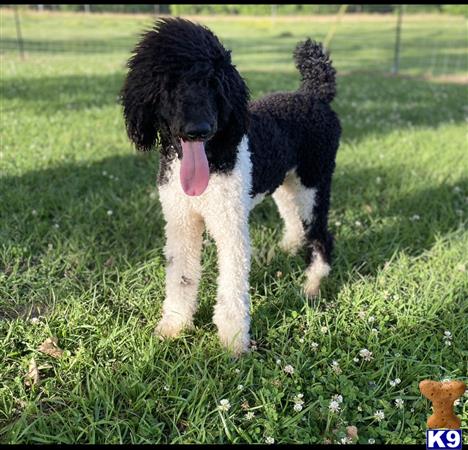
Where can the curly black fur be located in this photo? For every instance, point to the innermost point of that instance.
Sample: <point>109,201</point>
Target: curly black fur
<point>180,73</point>
<point>318,75</point>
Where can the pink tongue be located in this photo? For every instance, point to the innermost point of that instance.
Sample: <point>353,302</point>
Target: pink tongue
<point>194,170</point>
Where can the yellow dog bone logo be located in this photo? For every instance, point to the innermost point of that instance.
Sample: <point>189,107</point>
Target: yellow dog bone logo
<point>442,395</point>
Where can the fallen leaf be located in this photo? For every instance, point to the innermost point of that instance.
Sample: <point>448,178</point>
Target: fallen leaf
<point>352,432</point>
<point>109,262</point>
<point>32,377</point>
<point>50,347</point>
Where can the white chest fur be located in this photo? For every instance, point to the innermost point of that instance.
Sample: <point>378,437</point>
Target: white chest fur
<point>224,191</point>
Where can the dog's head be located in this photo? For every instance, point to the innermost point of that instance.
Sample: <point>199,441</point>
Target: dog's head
<point>182,84</point>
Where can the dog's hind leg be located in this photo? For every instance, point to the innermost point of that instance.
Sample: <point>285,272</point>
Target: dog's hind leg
<point>184,238</point>
<point>319,242</point>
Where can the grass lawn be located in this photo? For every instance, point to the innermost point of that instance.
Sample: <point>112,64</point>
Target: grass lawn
<point>81,259</point>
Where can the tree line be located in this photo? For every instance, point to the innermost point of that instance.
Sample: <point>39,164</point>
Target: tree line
<point>251,9</point>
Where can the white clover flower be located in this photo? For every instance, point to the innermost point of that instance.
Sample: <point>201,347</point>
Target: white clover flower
<point>395,382</point>
<point>365,354</point>
<point>399,403</point>
<point>166,388</point>
<point>301,340</point>
<point>56,226</point>
<point>34,212</point>
<point>448,338</point>
<point>298,402</point>
<point>237,370</point>
<point>240,387</point>
<point>289,369</point>
<point>297,407</point>
<point>346,440</point>
<point>371,319</point>
<point>379,415</point>
<point>356,359</point>
<point>337,223</point>
<point>335,365</point>
<point>314,346</point>
<point>362,315</point>
<point>415,217</point>
<point>378,180</point>
<point>110,212</point>
<point>334,406</point>
<point>338,398</point>
<point>358,223</point>
<point>323,329</point>
<point>250,415</point>
<point>35,320</point>
<point>269,440</point>
<point>224,405</point>
<point>371,441</point>
<point>278,361</point>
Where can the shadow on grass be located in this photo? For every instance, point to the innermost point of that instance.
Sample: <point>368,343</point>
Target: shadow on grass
<point>68,207</point>
<point>366,102</point>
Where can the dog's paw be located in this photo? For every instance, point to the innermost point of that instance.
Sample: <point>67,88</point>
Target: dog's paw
<point>233,334</point>
<point>312,288</point>
<point>290,245</point>
<point>314,274</point>
<point>170,327</point>
<point>237,344</point>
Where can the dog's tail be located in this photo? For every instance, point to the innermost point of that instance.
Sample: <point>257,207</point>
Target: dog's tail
<point>317,72</point>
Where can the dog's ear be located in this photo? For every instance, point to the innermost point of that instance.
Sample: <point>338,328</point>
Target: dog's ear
<point>235,98</point>
<point>141,98</point>
<point>140,110</point>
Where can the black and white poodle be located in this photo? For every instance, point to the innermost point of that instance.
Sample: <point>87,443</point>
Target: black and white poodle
<point>220,156</point>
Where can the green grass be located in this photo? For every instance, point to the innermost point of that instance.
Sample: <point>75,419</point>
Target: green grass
<point>95,280</point>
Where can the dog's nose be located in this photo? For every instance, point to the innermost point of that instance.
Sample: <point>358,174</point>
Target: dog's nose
<point>197,131</point>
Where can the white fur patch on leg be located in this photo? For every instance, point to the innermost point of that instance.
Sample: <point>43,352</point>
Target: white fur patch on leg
<point>184,234</point>
<point>295,204</point>
<point>314,273</point>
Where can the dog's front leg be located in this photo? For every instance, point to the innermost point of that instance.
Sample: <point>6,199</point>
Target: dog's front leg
<point>232,311</point>
<point>184,237</point>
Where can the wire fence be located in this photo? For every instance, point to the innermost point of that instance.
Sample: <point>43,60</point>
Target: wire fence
<point>435,45</point>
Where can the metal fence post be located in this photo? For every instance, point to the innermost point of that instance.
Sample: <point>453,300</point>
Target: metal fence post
<point>396,58</point>
<point>19,37</point>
